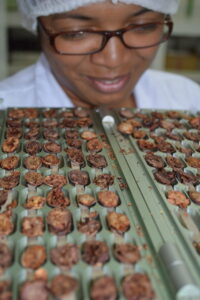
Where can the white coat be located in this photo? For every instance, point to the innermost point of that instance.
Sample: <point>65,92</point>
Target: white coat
<point>36,86</point>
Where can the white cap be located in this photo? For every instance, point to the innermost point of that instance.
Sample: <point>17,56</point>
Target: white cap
<point>31,9</point>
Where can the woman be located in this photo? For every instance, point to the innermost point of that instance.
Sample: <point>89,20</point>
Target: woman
<point>98,52</point>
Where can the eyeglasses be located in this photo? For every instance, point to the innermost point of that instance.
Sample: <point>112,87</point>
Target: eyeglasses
<point>135,36</point>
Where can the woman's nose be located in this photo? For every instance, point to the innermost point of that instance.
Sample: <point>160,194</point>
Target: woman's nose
<point>113,54</point>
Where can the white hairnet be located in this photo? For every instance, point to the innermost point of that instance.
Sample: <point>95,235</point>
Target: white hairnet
<point>31,9</point>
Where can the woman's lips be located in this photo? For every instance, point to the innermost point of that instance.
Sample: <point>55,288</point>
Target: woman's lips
<point>107,85</point>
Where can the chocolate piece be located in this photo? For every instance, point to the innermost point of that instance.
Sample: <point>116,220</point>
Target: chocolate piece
<point>147,145</point>
<point>32,226</point>
<point>55,180</point>
<point>94,145</point>
<point>32,147</point>
<point>5,293</point>
<point>30,113</point>
<point>185,150</point>
<point>197,247</point>
<point>79,177</point>
<point>35,202</point>
<point>195,196</point>
<point>195,122</point>
<point>51,134</point>
<point>174,114</point>
<point>126,113</point>
<point>89,225</point>
<point>193,136</point>
<point>33,257</point>
<point>56,198</point>
<point>186,178</point>
<point>34,290</point>
<point>3,197</point>
<point>178,198</point>
<point>68,123</point>
<point>63,285</point>
<point>10,144</point>
<point>16,113</point>
<point>155,161</point>
<point>32,123</point>
<point>10,162</point>
<point>50,113</point>
<point>52,147</point>
<point>75,156</point>
<point>32,133</point>
<point>165,177</point>
<point>66,114</point>
<point>165,147</point>
<point>50,160</point>
<point>88,135</point>
<point>49,123</point>
<point>13,123</point>
<point>157,115</point>
<point>135,123</point>
<point>34,178</point>
<point>137,286</point>
<point>104,180</point>
<point>118,222</point>
<point>81,112</point>
<point>125,128</point>
<point>175,162</point>
<point>127,253</point>
<point>59,221</point>
<point>108,198</point>
<point>157,138</point>
<point>97,161</point>
<point>10,181</point>
<point>95,252</point>
<point>140,134</point>
<point>74,143</point>
<point>168,125</point>
<point>172,136</point>
<point>84,122</point>
<point>5,256</point>
<point>193,162</point>
<point>71,134</point>
<point>6,224</point>
<point>15,132</point>
<point>103,288</point>
<point>33,162</point>
<point>65,256</point>
<point>86,199</point>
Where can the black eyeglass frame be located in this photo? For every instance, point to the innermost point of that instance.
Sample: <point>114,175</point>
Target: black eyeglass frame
<point>108,34</point>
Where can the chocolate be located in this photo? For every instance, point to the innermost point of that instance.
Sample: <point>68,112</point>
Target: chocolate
<point>10,144</point>
<point>125,128</point>
<point>81,112</point>
<point>55,180</point>
<point>104,180</point>
<point>195,122</point>
<point>34,178</point>
<point>178,198</point>
<point>10,163</point>
<point>50,113</point>
<point>145,145</point>
<point>172,136</point>
<point>95,252</point>
<point>32,133</point>
<point>50,160</point>
<point>193,136</point>
<point>33,257</point>
<point>118,222</point>
<point>32,147</point>
<point>52,147</point>
<point>74,143</point>
<point>155,161</point>
<point>90,225</point>
<point>50,123</point>
<point>84,122</point>
<point>75,156</point>
<point>35,202</point>
<point>186,178</point>
<point>175,162</point>
<point>139,134</point>
<point>51,134</point>
<point>165,177</point>
<point>63,285</point>
<point>13,123</point>
<point>15,132</point>
<point>3,197</point>
<point>71,134</point>
<point>10,181</point>
<point>103,288</point>
<point>5,293</point>
<point>137,286</point>
<point>79,177</point>
<point>33,162</point>
<point>97,161</point>
<point>30,113</point>
<point>168,125</point>
<point>32,226</point>
<point>59,221</point>
<point>165,147</point>
<point>16,113</point>
<point>194,196</point>
<point>5,256</point>
<point>6,224</point>
<point>126,113</point>
<point>56,198</point>
<point>34,289</point>
<point>94,145</point>
<point>68,123</point>
<point>108,198</point>
<point>127,253</point>
<point>88,135</point>
<point>193,162</point>
<point>65,255</point>
<point>86,200</point>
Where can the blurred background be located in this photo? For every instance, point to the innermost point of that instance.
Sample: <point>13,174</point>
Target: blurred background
<point>19,48</point>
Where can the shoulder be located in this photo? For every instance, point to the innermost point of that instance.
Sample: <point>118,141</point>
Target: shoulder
<point>170,91</point>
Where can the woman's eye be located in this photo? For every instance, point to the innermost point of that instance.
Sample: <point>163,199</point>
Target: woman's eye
<point>74,35</point>
<point>146,27</point>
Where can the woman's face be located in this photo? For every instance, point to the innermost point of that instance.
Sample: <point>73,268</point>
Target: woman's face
<point>107,77</point>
